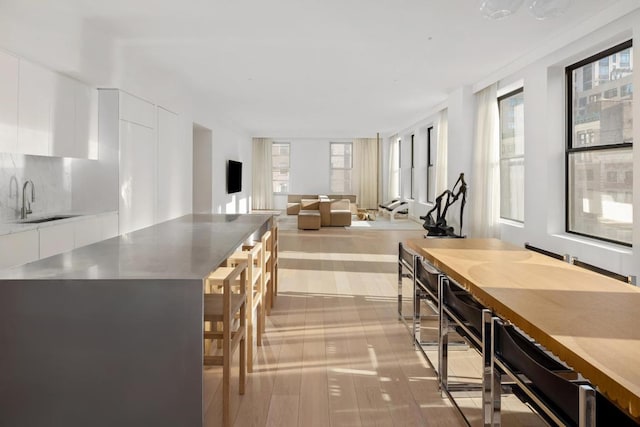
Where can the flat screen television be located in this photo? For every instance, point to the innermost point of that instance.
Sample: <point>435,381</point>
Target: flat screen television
<point>234,177</point>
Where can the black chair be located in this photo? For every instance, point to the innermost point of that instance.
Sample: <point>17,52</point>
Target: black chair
<point>546,252</point>
<point>406,269</point>
<point>426,281</point>
<point>472,321</point>
<point>626,279</point>
<point>547,385</point>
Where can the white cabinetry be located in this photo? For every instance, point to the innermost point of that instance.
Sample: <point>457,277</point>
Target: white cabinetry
<point>109,225</point>
<point>137,176</point>
<point>174,183</point>
<point>63,117</point>
<point>137,110</point>
<point>18,248</point>
<point>9,66</point>
<point>55,239</point>
<point>87,231</point>
<point>34,109</point>
<point>86,122</point>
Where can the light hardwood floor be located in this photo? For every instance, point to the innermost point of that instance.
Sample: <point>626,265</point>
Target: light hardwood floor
<point>334,353</point>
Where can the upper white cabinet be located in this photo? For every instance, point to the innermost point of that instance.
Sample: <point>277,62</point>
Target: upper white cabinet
<point>35,97</point>
<point>63,117</point>
<point>137,110</point>
<point>86,122</point>
<point>75,119</point>
<point>45,113</point>
<point>9,66</point>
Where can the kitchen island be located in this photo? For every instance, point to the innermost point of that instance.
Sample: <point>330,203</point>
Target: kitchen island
<point>111,333</point>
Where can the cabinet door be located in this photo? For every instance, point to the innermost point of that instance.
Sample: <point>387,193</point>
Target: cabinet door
<point>34,109</point>
<point>8,103</point>
<point>86,124</point>
<point>18,248</point>
<point>109,226</point>
<point>56,239</point>
<point>137,176</point>
<point>174,171</point>
<point>137,110</point>
<point>87,231</point>
<point>63,117</point>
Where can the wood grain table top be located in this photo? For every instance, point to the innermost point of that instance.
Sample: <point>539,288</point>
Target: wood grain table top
<point>590,321</point>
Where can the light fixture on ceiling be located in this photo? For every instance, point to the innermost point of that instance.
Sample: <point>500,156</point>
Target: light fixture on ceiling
<point>539,9</point>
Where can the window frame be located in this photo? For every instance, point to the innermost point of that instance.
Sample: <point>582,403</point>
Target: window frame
<point>499,99</point>
<point>273,144</point>
<point>350,168</point>
<point>569,149</point>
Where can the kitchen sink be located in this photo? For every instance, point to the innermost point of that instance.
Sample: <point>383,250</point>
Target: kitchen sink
<point>46,219</point>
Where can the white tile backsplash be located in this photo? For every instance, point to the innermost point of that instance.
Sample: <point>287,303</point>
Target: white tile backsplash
<point>50,175</point>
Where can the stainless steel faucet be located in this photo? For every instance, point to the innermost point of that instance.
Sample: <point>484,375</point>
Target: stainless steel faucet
<point>26,205</point>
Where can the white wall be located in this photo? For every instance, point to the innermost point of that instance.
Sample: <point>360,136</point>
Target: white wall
<point>228,145</point>
<point>310,167</point>
<point>544,97</point>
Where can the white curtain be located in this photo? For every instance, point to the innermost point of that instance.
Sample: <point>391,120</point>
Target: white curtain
<point>365,169</point>
<point>441,153</point>
<point>394,168</point>
<point>262,176</point>
<point>484,189</point>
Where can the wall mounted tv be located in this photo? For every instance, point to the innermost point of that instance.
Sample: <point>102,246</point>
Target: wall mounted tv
<point>234,177</point>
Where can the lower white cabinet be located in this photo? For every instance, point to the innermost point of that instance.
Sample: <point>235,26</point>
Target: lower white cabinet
<point>52,239</point>
<point>18,248</point>
<point>87,231</point>
<point>109,225</point>
<point>55,239</point>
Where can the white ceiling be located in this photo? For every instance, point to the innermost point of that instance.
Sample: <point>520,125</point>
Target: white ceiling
<point>320,67</point>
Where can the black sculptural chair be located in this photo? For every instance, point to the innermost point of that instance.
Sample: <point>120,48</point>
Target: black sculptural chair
<point>438,227</point>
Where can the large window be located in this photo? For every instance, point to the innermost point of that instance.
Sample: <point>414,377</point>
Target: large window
<point>341,165</point>
<point>431,170</point>
<point>512,155</point>
<point>413,168</point>
<point>280,153</point>
<point>599,147</point>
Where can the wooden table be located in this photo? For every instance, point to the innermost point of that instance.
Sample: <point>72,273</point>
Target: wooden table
<point>590,321</point>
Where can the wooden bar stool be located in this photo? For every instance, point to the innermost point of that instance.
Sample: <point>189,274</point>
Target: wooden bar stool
<point>222,308</point>
<point>274,258</point>
<point>267,269</point>
<point>252,255</point>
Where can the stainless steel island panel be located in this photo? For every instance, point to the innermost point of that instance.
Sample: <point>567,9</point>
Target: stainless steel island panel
<point>111,334</point>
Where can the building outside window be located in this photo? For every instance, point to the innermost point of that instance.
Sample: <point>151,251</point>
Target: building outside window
<point>341,167</point>
<point>280,166</point>
<point>511,108</point>
<point>599,154</point>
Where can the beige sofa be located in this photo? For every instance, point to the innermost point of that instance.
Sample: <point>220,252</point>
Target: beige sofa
<point>294,201</point>
<point>328,213</point>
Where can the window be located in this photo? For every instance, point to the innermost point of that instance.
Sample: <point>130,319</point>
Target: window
<point>413,168</point>
<point>341,165</point>
<point>280,154</point>
<point>511,108</point>
<point>431,170</point>
<point>599,163</point>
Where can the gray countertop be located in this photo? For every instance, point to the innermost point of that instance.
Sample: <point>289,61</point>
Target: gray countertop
<point>188,247</point>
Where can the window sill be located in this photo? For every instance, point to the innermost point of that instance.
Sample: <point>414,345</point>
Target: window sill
<point>620,249</point>
<point>511,223</point>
